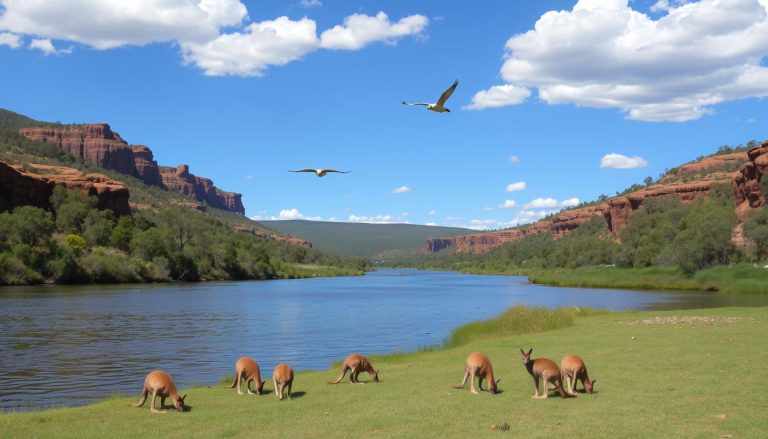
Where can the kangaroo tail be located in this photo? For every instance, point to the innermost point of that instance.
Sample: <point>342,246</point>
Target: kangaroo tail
<point>234,383</point>
<point>341,377</point>
<point>142,400</point>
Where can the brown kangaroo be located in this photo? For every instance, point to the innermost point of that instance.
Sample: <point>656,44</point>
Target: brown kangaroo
<point>247,368</point>
<point>160,384</point>
<point>546,370</point>
<point>282,378</point>
<point>356,364</point>
<point>478,365</point>
<point>573,368</point>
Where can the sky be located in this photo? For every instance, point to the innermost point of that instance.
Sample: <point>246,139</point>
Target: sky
<point>558,101</point>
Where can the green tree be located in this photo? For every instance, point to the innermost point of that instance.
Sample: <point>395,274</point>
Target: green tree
<point>75,243</point>
<point>756,229</point>
<point>97,226</point>
<point>122,233</point>
<point>29,225</point>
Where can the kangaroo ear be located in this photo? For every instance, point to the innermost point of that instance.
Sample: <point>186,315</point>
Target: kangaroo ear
<point>497,381</point>
<point>183,398</point>
<point>593,382</point>
<point>529,351</point>
<point>521,352</point>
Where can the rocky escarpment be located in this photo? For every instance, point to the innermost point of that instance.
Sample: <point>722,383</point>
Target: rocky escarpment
<point>615,212</point>
<point>34,186</point>
<point>291,240</point>
<point>105,148</point>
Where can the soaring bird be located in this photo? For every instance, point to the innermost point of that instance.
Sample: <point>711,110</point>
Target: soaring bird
<point>438,106</point>
<point>319,172</point>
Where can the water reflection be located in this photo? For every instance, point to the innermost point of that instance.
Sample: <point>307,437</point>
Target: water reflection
<point>70,345</point>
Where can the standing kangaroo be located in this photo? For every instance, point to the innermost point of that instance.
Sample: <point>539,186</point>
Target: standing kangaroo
<point>573,368</point>
<point>247,368</point>
<point>478,365</point>
<point>546,370</point>
<point>160,384</point>
<point>282,378</point>
<point>356,364</point>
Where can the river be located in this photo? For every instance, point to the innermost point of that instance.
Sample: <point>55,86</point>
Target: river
<point>71,345</point>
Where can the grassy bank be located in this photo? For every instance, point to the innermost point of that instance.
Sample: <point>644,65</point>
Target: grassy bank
<point>660,374</point>
<point>742,278</point>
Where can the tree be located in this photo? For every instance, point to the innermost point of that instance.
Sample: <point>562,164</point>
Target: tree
<point>182,223</point>
<point>648,181</point>
<point>756,229</point>
<point>29,225</point>
<point>122,233</point>
<point>75,243</point>
<point>97,226</point>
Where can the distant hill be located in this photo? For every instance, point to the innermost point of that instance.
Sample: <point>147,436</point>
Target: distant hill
<point>363,240</point>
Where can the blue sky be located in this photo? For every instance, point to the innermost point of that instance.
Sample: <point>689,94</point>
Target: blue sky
<point>244,90</point>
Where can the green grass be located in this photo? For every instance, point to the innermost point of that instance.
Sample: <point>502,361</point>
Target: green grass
<point>653,380</point>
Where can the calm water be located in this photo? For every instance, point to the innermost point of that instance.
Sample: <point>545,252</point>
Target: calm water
<point>71,345</point>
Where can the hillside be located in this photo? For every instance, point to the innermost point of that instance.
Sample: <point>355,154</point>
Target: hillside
<point>369,241</point>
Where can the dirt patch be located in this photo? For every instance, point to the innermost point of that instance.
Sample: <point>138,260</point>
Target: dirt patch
<point>684,320</point>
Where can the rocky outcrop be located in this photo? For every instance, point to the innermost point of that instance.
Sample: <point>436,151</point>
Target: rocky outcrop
<point>105,148</point>
<point>290,240</point>
<point>180,179</point>
<point>615,212</point>
<point>18,187</point>
<point>713,165</point>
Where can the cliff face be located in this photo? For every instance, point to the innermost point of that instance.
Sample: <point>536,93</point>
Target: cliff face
<point>615,212</point>
<point>19,187</point>
<point>280,238</point>
<point>105,148</point>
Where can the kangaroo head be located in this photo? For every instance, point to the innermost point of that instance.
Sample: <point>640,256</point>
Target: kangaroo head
<point>178,402</point>
<point>375,376</point>
<point>526,357</point>
<point>260,387</point>
<point>493,386</point>
<point>589,385</point>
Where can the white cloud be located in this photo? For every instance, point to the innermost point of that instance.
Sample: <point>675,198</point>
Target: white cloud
<point>196,27</point>
<point>360,30</point>
<point>289,214</point>
<point>311,3</point>
<point>401,190</point>
<point>665,5</point>
<point>570,202</point>
<point>431,212</point>
<point>10,40</point>
<point>605,54</point>
<point>43,45</point>
<point>377,219</point>
<point>508,204</point>
<point>751,120</point>
<point>619,161</point>
<point>514,159</point>
<point>521,217</point>
<point>430,224</point>
<point>515,187</point>
<point>271,42</point>
<point>498,96</point>
<point>106,24</point>
<point>542,203</point>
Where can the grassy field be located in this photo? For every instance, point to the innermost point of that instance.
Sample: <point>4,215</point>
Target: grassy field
<point>742,278</point>
<point>694,373</point>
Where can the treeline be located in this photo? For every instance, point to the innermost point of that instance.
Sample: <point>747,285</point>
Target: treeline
<point>77,243</point>
<point>664,232</point>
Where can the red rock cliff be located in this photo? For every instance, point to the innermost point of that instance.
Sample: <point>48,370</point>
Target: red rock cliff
<point>20,188</point>
<point>616,211</point>
<point>180,179</point>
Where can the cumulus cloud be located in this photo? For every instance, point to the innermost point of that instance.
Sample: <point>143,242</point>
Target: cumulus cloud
<point>498,96</point>
<point>605,54</point>
<point>360,30</point>
<point>10,40</point>
<point>521,217</point>
<point>43,45</point>
<point>665,5</point>
<point>289,214</point>
<point>542,203</point>
<point>619,161</point>
<point>401,190</point>
<point>311,3</point>
<point>570,202</point>
<point>514,159</point>
<point>508,204</point>
<point>516,187</point>
<point>377,219</point>
<point>199,28</point>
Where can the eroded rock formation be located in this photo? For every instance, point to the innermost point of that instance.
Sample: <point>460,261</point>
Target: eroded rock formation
<point>180,179</point>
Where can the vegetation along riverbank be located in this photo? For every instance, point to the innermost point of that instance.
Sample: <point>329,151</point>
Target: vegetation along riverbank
<point>651,380</point>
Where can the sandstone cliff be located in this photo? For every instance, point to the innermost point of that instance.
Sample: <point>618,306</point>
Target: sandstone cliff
<point>280,238</point>
<point>19,187</point>
<point>615,212</point>
<point>105,148</point>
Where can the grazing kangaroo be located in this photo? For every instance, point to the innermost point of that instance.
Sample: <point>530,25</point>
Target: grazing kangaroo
<point>546,370</point>
<point>282,378</point>
<point>478,365</point>
<point>160,384</point>
<point>247,368</point>
<point>573,368</point>
<point>355,364</point>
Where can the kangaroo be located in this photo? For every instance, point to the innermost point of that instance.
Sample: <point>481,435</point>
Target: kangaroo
<point>573,368</point>
<point>160,384</point>
<point>356,364</point>
<point>282,378</point>
<point>478,365</point>
<point>546,370</point>
<point>247,368</point>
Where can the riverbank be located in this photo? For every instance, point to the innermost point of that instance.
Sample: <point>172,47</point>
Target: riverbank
<point>742,278</point>
<point>660,374</point>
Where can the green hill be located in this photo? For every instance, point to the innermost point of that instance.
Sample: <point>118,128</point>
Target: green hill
<point>363,240</point>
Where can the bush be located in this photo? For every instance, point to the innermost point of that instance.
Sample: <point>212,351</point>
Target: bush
<point>104,265</point>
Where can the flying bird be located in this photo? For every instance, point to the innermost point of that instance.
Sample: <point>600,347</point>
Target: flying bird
<point>319,172</point>
<point>438,106</point>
